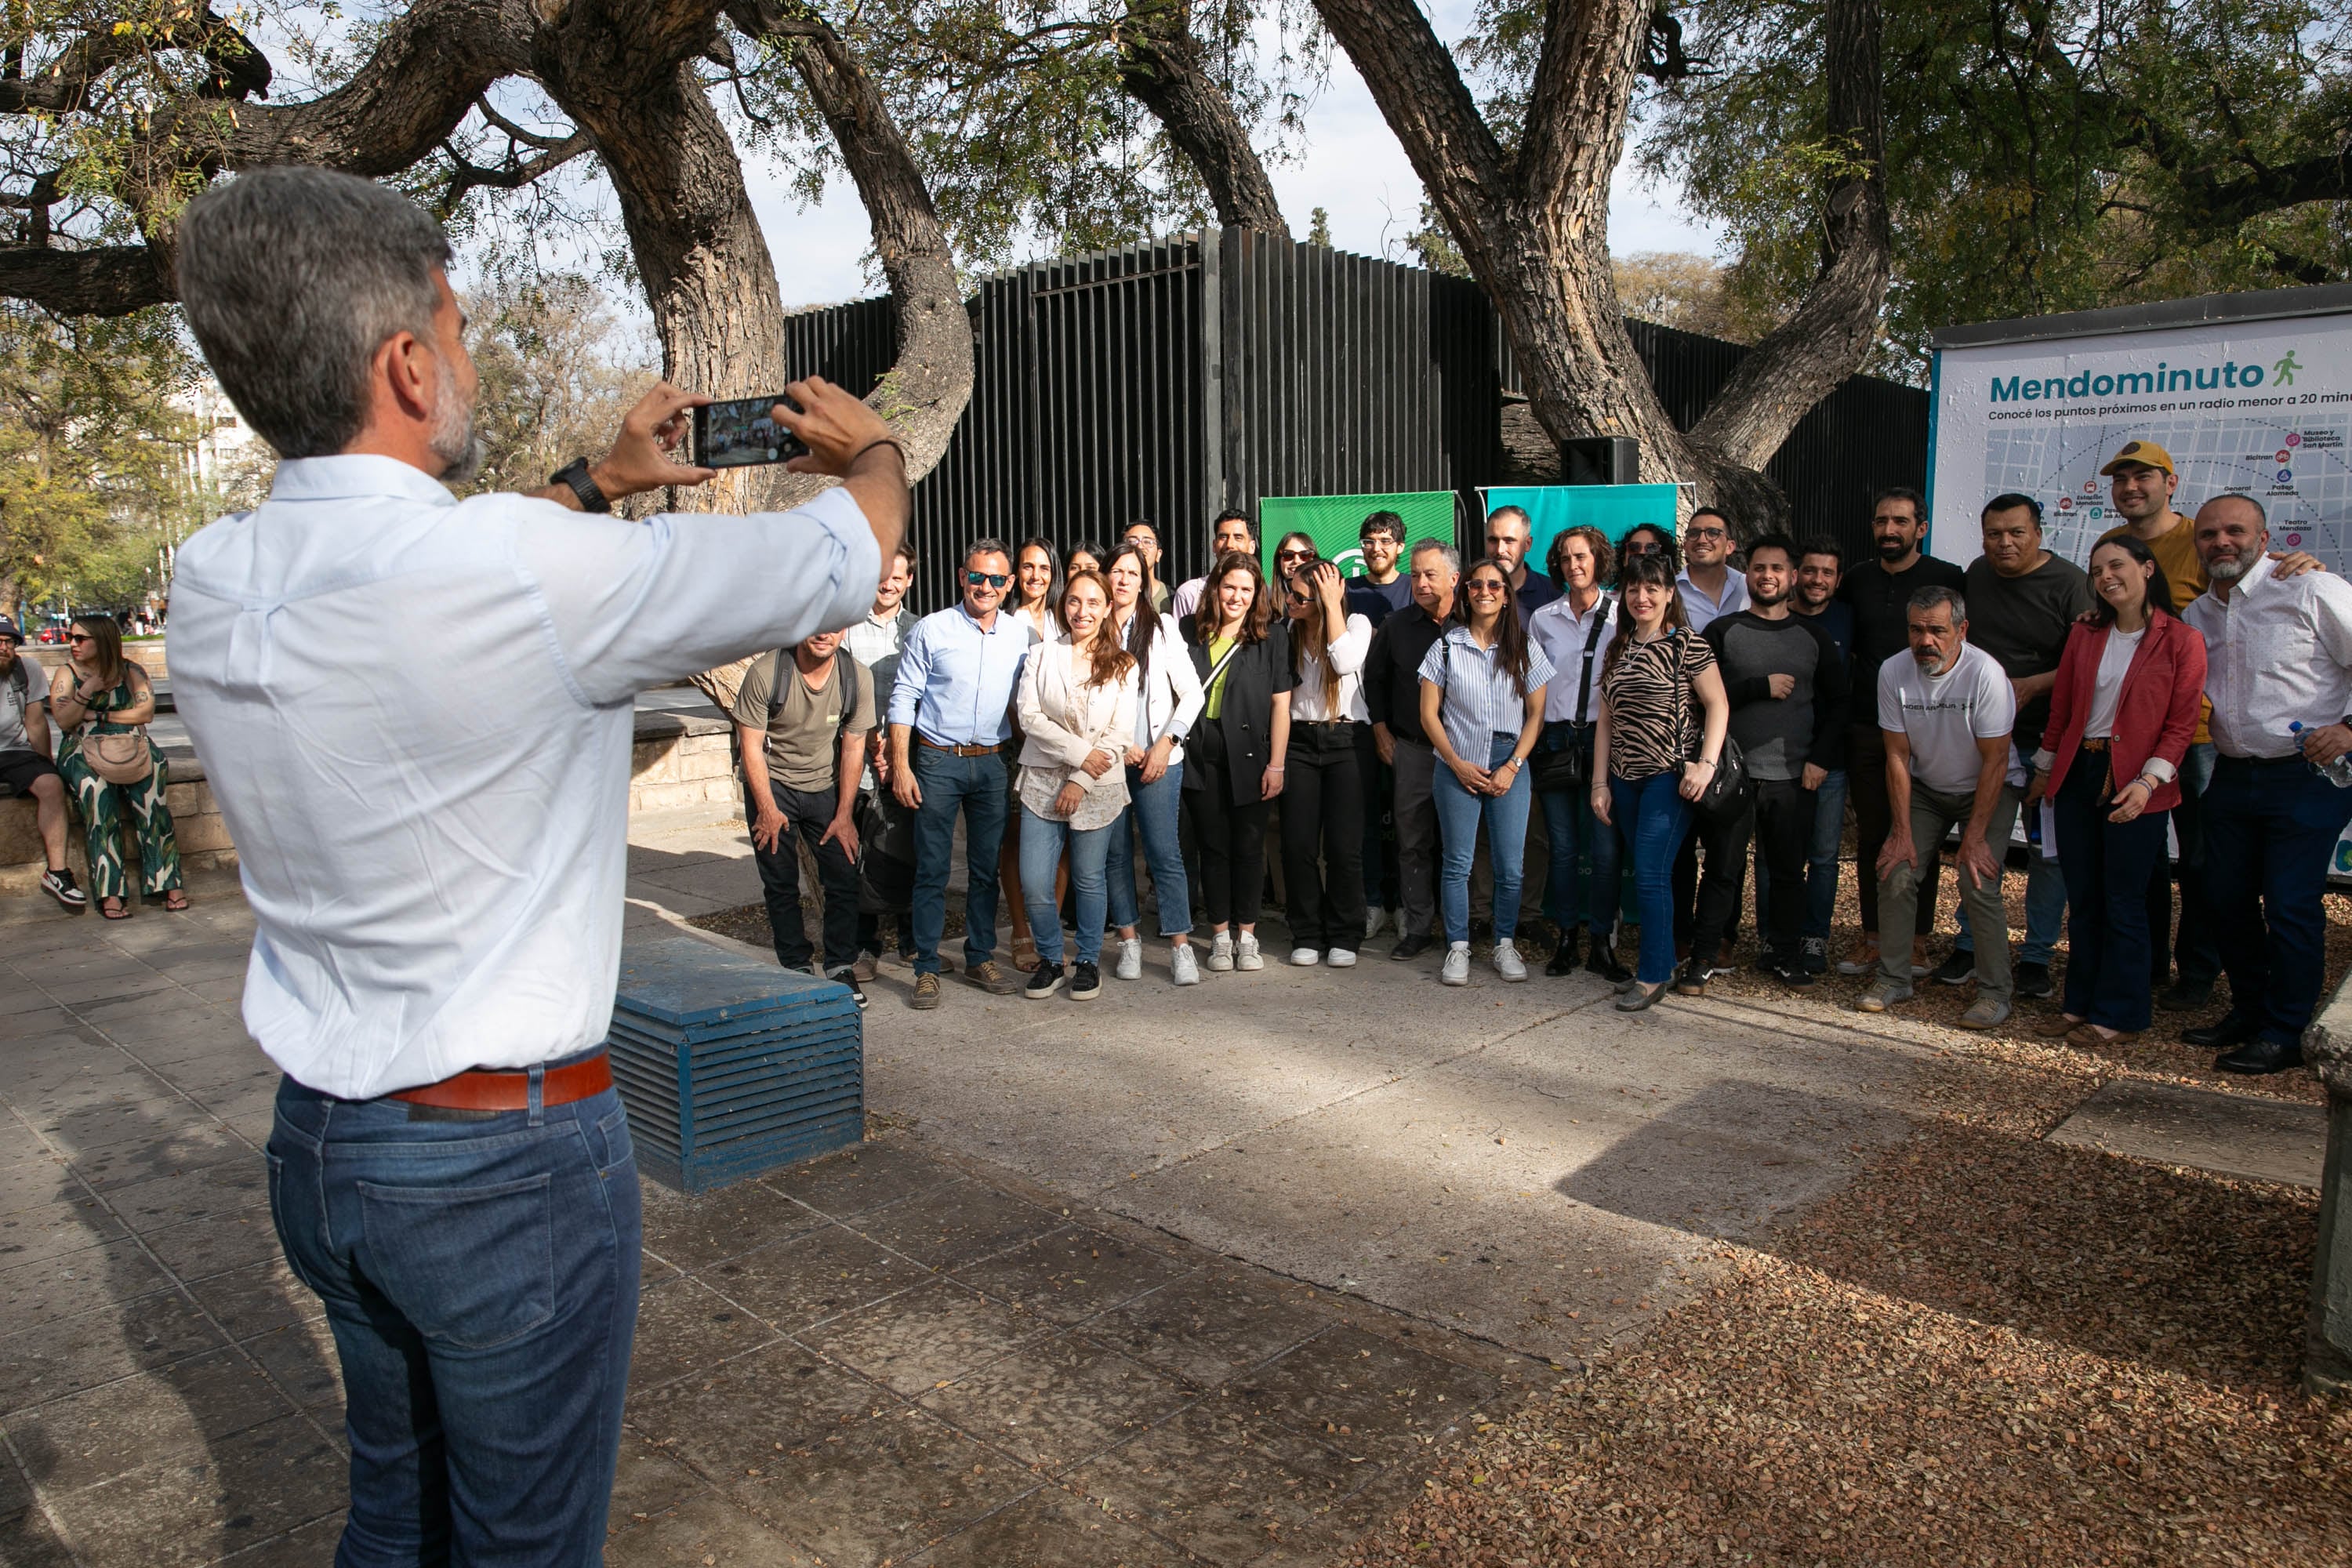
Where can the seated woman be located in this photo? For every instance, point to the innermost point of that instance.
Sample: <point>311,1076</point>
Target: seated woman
<point>103,702</point>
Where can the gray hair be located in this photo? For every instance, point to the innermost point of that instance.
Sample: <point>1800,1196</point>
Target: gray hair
<point>291,280</point>
<point>1453,556</point>
<point>1500,513</point>
<point>1930,597</point>
<point>2261,516</point>
<point>980,547</point>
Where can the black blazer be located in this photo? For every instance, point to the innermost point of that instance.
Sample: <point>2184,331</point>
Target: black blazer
<point>1245,719</point>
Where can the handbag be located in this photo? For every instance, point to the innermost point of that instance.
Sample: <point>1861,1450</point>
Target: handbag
<point>1726,791</point>
<point>1566,770</point>
<point>120,758</point>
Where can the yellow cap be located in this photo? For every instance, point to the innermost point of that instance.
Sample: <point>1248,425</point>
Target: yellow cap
<point>2145,454</point>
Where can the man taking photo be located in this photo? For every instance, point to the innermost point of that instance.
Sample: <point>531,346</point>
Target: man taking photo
<point>435,848</point>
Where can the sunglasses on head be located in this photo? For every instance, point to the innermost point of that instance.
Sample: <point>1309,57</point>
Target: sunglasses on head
<point>1638,547</point>
<point>993,579</point>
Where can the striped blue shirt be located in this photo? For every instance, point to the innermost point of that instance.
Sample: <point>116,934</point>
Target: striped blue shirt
<point>1481,699</point>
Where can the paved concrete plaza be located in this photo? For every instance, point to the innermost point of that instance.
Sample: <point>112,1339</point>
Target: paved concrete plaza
<point>1208,1275</point>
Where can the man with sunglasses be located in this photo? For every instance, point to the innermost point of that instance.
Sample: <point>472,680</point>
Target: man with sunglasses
<point>951,718</point>
<point>26,766</point>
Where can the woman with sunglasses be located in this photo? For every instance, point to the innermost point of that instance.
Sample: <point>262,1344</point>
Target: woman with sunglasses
<point>1649,538</point>
<point>103,702</point>
<point>1291,552</point>
<point>1482,702</point>
<point>1663,716</point>
<point>1323,791</point>
<point>1167,704</point>
<point>1239,752</point>
<point>1077,711</point>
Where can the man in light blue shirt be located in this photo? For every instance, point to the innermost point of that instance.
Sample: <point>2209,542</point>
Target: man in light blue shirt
<point>435,848</point>
<point>950,721</point>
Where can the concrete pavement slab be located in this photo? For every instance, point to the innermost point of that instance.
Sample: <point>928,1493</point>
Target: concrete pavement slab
<point>2172,1124</point>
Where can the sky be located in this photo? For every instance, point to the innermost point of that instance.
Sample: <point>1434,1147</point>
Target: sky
<point>1353,168</point>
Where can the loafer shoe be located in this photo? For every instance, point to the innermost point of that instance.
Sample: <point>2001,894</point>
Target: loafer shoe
<point>2256,1057</point>
<point>2230,1032</point>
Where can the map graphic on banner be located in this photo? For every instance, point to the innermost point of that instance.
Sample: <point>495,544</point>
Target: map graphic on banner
<point>2259,409</point>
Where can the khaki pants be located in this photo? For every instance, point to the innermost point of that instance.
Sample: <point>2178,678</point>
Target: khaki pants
<point>1933,815</point>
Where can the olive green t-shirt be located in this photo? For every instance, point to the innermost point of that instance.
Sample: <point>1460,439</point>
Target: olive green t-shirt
<point>803,730</point>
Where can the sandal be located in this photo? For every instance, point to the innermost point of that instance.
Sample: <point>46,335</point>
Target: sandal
<point>114,908</point>
<point>175,901</point>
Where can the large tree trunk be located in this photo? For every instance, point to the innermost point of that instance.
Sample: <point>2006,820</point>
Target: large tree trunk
<point>1160,68</point>
<point>1533,230</point>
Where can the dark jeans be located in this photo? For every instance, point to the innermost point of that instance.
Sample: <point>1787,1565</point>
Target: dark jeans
<point>1577,836</point>
<point>2106,867</point>
<point>1780,822</point>
<point>808,813</point>
<point>1652,818</point>
<point>1231,839</point>
<point>1415,771</point>
<point>978,787</point>
<point>2269,831</point>
<point>1323,838</point>
<point>1874,819</point>
<point>1383,880</point>
<point>480,1278</point>
<point>2195,949</point>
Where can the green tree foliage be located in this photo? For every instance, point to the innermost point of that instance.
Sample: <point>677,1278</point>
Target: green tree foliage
<point>1318,227</point>
<point>2042,156</point>
<point>558,369</point>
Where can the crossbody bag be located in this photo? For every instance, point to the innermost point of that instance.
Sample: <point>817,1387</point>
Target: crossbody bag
<point>1568,769</point>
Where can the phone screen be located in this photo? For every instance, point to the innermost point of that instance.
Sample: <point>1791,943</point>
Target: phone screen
<point>742,431</point>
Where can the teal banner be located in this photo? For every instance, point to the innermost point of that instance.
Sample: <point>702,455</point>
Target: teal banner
<point>1615,510</point>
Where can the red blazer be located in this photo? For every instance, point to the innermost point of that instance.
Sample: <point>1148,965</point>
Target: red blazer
<point>2154,715</point>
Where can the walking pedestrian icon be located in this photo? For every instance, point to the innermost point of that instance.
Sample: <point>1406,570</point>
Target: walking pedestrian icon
<point>2283,372</point>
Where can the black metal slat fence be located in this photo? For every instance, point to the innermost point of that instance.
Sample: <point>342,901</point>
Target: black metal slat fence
<point>1171,379</point>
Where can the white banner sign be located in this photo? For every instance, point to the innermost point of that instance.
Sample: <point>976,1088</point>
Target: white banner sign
<point>2260,408</point>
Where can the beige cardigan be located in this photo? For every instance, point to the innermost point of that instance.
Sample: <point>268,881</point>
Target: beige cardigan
<point>1062,723</point>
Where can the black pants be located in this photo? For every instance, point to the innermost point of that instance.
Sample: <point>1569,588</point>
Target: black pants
<point>1323,838</point>
<point>1724,844</point>
<point>1781,824</point>
<point>2195,945</point>
<point>1384,883</point>
<point>808,813</point>
<point>1231,838</point>
<point>1874,819</point>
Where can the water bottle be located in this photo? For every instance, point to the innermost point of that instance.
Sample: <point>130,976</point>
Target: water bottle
<point>2337,772</point>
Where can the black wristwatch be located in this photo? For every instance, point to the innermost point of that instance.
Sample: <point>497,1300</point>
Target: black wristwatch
<point>574,475</point>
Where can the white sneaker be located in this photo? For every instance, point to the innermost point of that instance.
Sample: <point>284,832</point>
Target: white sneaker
<point>1374,919</point>
<point>1187,967</point>
<point>1508,961</point>
<point>1455,971</point>
<point>1221,952</point>
<point>1340,958</point>
<point>1304,957</point>
<point>1246,956</point>
<point>1130,959</point>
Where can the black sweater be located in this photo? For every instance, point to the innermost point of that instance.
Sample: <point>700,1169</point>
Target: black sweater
<point>1391,677</point>
<point>1779,735</point>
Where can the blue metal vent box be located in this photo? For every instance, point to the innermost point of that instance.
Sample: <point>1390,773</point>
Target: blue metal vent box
<point>731,1066</point>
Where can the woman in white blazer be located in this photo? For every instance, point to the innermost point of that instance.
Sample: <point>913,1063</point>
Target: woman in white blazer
<point>1168,700</point>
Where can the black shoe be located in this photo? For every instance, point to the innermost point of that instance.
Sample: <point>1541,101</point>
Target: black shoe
<point>1602,961</point>
<point>1411,945</point>
<point>2231,1031</point>
<point>2031,982</point>
<point>1086,983</point>
<point>1563,957</point>
<point>2187,996</point>
<point>2258,1057</point>
<point>1789,972</point>
<point>1958,968</point>
<point>1044,981</point>
<point>59,885</point>
<point>1817,956</point>
<point>857,992</point>
<point>1690,980</point>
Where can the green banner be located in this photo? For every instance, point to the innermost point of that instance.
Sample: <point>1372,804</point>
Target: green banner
<point>1335,522</point>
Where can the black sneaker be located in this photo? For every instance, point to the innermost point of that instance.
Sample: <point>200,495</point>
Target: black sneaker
<point>59,885</point>
<point>1044,981</point>
<point>1690,980</point>
<point>1086,983</point>
<point>1814,954</point>
<point>1411,945</point>
<point>1563,957</point>
<point>857,992</point>
<point>1957,969</point>
<point>1789,972</point>
<point>1602,961</point>
<point>2032,981</point>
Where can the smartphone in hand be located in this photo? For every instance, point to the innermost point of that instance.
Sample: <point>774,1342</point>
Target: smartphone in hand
<point>742,431</point>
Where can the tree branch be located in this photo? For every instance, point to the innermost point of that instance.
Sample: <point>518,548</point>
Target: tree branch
<point>1160,68</point>
<point>106,281</point>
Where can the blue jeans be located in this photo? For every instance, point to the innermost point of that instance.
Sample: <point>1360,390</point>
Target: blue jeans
<point>2106,867</point>
<point>980,788</point>
<point>1459,814</point>
<point>2045,906</point>
<point>2270,832</point>
<point>1653,818</point>
<point>1041,841</point>
<point>480,1277</point>
<point>1577,835</point>
<point>1152,809</point>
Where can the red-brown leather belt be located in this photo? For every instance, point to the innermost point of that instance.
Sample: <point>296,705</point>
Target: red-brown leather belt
<point>976,751</point>
<point>480,1089</point>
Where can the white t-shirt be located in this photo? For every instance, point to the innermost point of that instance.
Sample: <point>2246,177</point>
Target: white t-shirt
<point>1946,715</point>
<point>2107,685</point>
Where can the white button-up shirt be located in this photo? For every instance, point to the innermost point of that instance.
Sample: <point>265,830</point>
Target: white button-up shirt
<point>1561,632</point>
<point>416,712</point>
<point>2278,651</point>
<point>1306,704</point>
<point>1701,608</point>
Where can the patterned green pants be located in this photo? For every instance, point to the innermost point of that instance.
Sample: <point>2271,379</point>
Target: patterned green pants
<point>102,805</point>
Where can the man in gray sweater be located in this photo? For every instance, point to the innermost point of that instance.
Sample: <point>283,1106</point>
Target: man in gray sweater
<point>1788,693</point>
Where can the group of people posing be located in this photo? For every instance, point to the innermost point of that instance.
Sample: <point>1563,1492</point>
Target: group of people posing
<point>1679,712</point>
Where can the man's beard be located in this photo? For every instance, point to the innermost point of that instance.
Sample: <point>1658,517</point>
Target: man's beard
<point>453,432</point>
<point>2231,564</point>
<point>1892,547</point>
<point>1757,597</point>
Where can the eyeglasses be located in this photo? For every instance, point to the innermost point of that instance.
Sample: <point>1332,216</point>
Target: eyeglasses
<point>1705,534</point>
<point>993,579</point>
